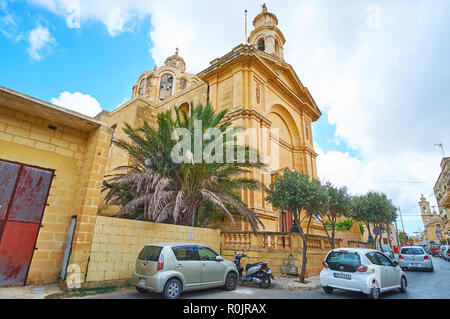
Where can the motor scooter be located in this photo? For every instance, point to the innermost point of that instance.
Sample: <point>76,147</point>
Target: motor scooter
<point>258,273</point>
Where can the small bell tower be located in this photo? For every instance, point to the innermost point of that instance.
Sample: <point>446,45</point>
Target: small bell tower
<point>266,36</point>
<point>425,210</point>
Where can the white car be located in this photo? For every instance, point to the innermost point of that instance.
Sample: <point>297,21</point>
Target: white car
<point>415,257</point>
<point>363,270</point>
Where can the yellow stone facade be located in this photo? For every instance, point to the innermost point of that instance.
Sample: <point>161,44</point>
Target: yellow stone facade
<point>252,81</point>
<point>36,133</point>
<point>258,88</point>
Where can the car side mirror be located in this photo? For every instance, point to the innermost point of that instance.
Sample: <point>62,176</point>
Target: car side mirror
<point>219,258</point>
<point>395,263</point>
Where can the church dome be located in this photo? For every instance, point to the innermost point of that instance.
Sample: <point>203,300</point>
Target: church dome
<point>176,61</point>
<point>164,81</point>
<point>266,36</point>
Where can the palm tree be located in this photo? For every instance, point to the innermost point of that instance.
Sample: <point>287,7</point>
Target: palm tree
<point>156,188</point>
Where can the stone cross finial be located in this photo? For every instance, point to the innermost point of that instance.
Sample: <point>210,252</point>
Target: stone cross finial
<point>176,52</point>
<point>264,8</point>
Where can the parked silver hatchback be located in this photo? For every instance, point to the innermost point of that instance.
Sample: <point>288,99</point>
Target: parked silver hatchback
<point>172,268</point>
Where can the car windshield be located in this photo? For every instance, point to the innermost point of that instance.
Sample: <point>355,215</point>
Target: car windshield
<point>412,251</point>
<point>150,253</point>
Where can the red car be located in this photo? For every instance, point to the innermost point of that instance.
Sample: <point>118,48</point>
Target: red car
<point>434,248</point>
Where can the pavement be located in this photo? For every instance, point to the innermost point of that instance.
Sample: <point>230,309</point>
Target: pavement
<point>29,292</point>
<point>421,285</point>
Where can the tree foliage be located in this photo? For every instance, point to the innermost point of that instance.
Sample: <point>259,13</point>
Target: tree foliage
<point>304,197</point>
<point>155,188</point>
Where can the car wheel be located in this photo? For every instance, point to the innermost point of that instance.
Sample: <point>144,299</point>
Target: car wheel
<point>328,290</point>
<point>265,280</point>
<point>403,285</point>
<point>374,292</point>
<point>142,290</point>
<point>231,281</point>
<point>172,290</point>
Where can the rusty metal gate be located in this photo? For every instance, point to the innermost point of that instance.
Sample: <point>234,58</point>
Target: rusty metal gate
<point>23,197</point>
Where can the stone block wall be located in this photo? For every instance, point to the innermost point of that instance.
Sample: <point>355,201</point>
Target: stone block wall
<point>27,139</point>
<point>117,242</point>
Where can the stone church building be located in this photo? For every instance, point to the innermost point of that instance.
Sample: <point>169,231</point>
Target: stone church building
<point>259,89</point>
<point>53,160</point>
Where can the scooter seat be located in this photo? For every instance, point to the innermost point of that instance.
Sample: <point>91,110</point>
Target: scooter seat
<point>251,265</point>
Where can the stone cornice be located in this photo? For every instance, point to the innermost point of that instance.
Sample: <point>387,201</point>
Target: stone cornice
<point>248,113</point>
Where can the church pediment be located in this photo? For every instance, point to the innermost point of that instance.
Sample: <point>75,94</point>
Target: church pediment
<point>286,74</point>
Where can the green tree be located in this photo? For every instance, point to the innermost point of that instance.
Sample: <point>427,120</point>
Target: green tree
<point>383,211</point>
<point>156,188</point>
<point>374,209</point>
<point>360,212</point>
<point>338,204</point>
<point>304,198</point>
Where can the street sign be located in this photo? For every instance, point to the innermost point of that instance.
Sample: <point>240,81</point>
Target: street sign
<point>376,231</point>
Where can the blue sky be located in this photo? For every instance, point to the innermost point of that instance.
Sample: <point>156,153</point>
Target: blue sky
<point>87,60</point>
<point>379,71</point>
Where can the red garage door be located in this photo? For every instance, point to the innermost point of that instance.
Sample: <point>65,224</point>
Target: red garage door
<point>23,197</point>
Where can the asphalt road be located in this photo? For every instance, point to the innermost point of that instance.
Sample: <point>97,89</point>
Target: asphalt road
<point>421,285</point>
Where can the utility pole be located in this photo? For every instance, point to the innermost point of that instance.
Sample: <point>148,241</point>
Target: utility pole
<point>396,233</point>
<point>401,219</point>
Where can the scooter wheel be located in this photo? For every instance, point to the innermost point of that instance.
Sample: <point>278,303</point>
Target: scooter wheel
<point>265,280</point>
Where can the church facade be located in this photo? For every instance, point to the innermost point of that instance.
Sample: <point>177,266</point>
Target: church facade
<point>260,90</point>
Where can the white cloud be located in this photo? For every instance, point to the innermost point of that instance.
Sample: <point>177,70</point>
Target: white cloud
<point>8,24</point>
<point>39,40</point>
<point>79,102</point>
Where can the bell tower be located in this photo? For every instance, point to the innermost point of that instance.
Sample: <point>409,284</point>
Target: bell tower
<point>425,210</point>
<point>266,36</point>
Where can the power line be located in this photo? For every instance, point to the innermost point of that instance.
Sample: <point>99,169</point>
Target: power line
<point>416,206</point>
<point>378,181</point>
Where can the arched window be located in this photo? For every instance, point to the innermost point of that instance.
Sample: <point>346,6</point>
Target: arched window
<point>166,86</point>
<point>142,87</point>
<point>261,45</point>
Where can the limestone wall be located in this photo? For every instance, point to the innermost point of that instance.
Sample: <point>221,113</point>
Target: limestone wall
<point>117,242</point>
<point>27,139</point>
<point>277,249</point>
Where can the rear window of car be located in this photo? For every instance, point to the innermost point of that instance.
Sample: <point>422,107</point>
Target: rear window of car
<point>412,251</point>
<point>343,261</point>
<point>150,253</point>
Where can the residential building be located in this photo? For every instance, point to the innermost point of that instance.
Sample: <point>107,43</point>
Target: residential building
<point>442,193</point>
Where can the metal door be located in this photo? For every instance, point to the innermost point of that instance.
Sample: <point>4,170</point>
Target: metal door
<point>23,197</point>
